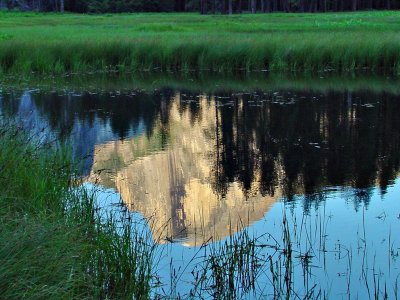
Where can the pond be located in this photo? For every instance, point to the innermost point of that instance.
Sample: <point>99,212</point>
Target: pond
<point>287,190</point>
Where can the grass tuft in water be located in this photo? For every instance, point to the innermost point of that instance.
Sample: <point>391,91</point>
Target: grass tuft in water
<point>54,242</point>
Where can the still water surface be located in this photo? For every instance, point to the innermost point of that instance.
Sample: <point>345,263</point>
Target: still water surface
<point>321,165</point>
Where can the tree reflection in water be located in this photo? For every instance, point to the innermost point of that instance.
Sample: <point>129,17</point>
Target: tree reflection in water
<point>264,143</point>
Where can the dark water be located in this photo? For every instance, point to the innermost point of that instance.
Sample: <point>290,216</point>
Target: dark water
<point>327,161</point>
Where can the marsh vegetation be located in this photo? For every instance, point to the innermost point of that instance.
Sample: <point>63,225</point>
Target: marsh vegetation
<point>54,243</point>
<point>59,44</point>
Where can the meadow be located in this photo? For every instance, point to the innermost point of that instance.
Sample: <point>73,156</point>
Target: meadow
<point>70,43</point>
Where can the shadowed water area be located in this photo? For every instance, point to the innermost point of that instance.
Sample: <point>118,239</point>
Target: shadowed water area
<point>310,170</point>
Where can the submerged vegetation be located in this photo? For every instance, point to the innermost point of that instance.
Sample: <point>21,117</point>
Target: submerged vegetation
<point>59,44</point>
<point>204,82</point>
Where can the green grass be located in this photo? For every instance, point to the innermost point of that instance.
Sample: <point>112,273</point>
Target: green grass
<point>51,43</point>
<point>231,268</point>
<point>53,243</point>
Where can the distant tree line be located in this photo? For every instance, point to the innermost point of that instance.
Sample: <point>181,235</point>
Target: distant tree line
<point>203,6</point>
<point>101,6</point>
<point>265,6</point>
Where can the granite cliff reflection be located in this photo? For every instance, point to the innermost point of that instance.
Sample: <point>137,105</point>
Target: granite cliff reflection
<point>175,184</point>
<point>203,162</point>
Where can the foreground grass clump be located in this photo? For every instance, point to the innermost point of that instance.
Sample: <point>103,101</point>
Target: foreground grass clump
<point>51,43</point>
<point>53,243</point>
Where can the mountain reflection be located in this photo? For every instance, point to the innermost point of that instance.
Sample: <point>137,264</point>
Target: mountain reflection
<point>203,163</point>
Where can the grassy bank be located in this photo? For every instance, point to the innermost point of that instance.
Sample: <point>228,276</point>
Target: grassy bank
<point>53,244</point>
<point>50,43</point>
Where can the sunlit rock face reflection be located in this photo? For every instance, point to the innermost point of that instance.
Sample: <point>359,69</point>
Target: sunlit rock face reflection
<point>173,186</point>
<point>198,164</point>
